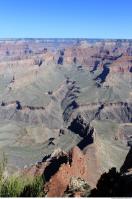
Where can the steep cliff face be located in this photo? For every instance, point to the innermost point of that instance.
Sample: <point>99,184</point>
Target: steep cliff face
<point>65,93</point>
<point>69,174</point>
<point>77,167</point>
<point>58,169</point>
<point>116,183</point>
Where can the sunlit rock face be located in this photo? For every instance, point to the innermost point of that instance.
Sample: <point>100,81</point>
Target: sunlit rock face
<point>77,167</point>
<point>62,93</point>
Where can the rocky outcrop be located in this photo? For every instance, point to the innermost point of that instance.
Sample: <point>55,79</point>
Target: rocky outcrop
<point>101,78</point>
<point>77,188</point>
<point>76,167</point>
<point>69,176</point>
<point>58,170</point>
<point>69,103</point>
<point>113,184</point>
<point>80,126</point>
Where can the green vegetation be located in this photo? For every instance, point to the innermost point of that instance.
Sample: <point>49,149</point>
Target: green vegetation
<point>3,166</point>
<point>19,186</point>
<point>22,187</point>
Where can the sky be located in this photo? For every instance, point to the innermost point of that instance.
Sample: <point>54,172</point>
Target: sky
<point>66,19</point>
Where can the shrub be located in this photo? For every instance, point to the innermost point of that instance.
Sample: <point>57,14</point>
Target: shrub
<point>19,186</point>
<point>22,187</point>
<point>34,188</point>
<point>12,187</point>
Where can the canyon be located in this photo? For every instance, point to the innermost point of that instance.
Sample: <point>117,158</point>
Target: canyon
<point>65,98</point>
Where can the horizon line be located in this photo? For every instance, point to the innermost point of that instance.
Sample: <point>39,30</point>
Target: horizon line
<point>80,38</point>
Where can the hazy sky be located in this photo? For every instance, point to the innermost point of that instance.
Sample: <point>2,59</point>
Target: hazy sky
<point>66,18</point>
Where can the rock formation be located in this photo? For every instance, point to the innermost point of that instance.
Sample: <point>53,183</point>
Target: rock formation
<point>61,93</point>
<point>76,166</point>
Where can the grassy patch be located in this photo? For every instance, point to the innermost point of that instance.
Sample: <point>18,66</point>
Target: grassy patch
<point>22,187</point>
<point>19,186</point>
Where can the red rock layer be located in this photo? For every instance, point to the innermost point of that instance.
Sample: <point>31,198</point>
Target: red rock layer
<point>59,182</point>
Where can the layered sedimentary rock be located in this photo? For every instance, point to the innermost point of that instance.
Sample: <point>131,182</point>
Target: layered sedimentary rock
<point>58,169</point>
<point>65,93</point>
